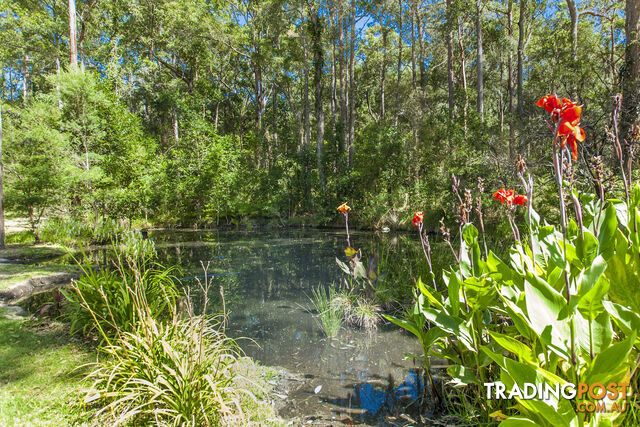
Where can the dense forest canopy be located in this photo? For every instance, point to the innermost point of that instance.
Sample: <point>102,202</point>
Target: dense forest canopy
<point>197,112</point>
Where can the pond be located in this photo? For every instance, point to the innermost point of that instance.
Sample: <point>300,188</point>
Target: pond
<point>267,279</point>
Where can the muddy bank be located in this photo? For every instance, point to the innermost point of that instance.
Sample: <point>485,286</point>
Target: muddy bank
<point>19,292</point>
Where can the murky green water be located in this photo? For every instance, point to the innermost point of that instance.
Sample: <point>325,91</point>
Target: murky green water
<point>267,279</point>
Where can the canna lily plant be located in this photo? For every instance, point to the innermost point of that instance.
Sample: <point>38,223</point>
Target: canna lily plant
<point>563,308</point>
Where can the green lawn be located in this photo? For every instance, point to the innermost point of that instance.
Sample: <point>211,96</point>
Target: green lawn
<point>41,381</point>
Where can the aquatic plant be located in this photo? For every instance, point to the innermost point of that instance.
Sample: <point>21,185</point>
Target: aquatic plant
<point>417,221</point>
<point>330,306</point>
<point>564,309</point>
<point>365,314</point>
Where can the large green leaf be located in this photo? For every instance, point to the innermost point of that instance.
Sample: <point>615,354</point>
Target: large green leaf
<point>586,246</point>
<point>433,297</point>
<point>462,376</point>
<point>606,233</point>
<point>450,324</point>
<point>514,346</point>
<point>592,289</point>
<point>595,335</point>
<point>544,304</point>
<point>453,287</point>
<point>500,271</point>
<point>612,363</point>
<point>627,320</point>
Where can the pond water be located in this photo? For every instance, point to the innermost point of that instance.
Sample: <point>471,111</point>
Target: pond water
<point>267,278</point>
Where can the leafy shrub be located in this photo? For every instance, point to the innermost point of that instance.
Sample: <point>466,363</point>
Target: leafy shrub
<point>75,232</point>
<point>158,365</point>
<point>563,309</point>
<point>107,300</point>
<point>176,372</point>
<point>114,296</point>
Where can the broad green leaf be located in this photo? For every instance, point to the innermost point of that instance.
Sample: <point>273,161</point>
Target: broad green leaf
<point>606,233</point>
<point>404,324</point>
<point>462,376</point>
<point>627,320</point>
<point>611,363</point>
<point>514,346</point>
<point>454,293</point>
<point>544,305</point>
<point>593,336</point>
<point>586,246</point>
<point>592,289</point>
<point>431,296</point>
<point>450,324</point>
<point>518,422</point>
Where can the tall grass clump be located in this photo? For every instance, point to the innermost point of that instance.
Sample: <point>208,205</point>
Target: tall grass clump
<point>179,372</point>
<point>108,298</point>
<point>156,365</point>
<point>330,308</point>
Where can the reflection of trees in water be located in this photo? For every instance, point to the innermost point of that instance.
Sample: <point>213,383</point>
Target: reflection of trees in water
<point>286,264</point>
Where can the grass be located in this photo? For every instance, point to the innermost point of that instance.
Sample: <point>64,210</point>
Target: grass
<point>39,377</point>
<point>331,311</point>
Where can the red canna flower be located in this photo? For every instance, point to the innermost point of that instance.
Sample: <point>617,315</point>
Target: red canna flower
<point>504,196</point>
<point>344,208</point>
<point>417,218</point>
<point>520,200</point>
<point>572,133</point>
<point>549,103</point>
<point>571,114</point>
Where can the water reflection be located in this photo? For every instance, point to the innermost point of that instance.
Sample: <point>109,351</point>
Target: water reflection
<point>266,279</point>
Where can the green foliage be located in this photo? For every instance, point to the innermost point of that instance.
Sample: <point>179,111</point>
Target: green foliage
<point>178,372</point>
<point>36,159</point>
<point>589,337</point>
<point>74,232</point>
<point>159,364</point>
<point>330,308</point>
<point>107,301</point>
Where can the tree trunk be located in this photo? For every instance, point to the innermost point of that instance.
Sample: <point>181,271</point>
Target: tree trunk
<point>25,79</point>
<point>450,75</point>
<point>1,187</point>
<point>413,39</point>
<point>399,69</point>
<point>334,74</point>
<point>318,84</point>
<point>73,50</point>
<point>58,83</point>
<point>176,135</point>
<point>305,58</point>
<point>421,64</point>
<point>500,99</point>
<point>383,73</point>
<point>573,13</point>
<point>479,61</point>
<point>274,109</point>
<point>463,76</point>
<point>352,84</point>
<point>523,4</point>
<point>631,76</point>
<point>344,136</point>
<point>510,86</point>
